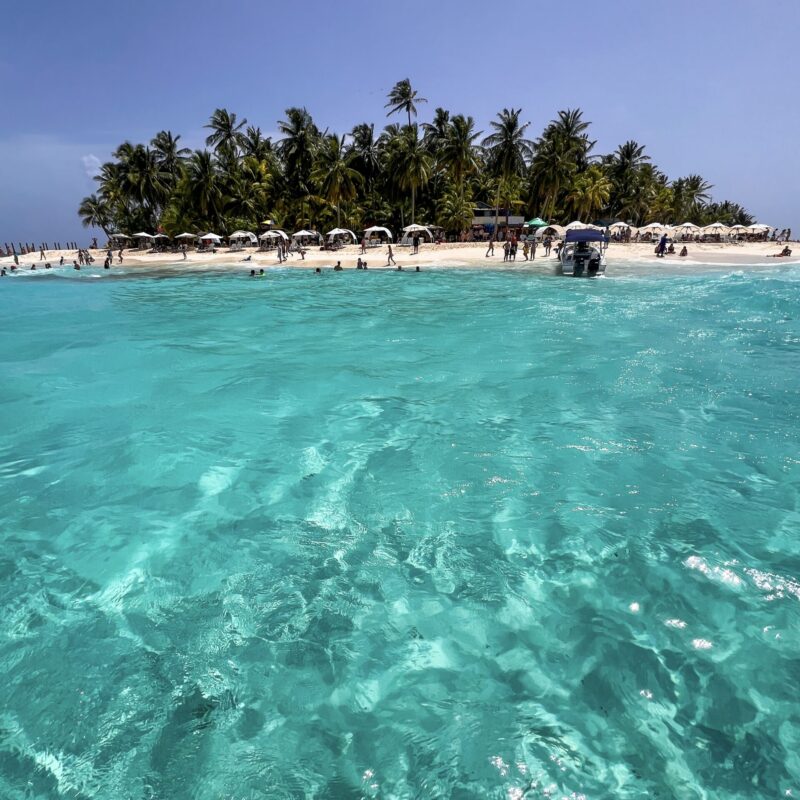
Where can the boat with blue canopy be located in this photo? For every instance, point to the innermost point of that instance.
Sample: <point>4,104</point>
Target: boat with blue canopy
<point>583,254</point>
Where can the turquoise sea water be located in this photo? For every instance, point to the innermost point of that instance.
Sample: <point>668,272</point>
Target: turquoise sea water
<point>389,535</point>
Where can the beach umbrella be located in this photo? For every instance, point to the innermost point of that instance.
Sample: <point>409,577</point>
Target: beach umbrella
<point>618,226</point>
<point>653,227</point>
<point>267,221</point>
<point>302,233</point>
<point>379,229</point>
<point>118,236</point>
<point>270,235</point>
<point>143,235</point>
<point>161,236</point>
<point>415,228</point>
<point>759,228</point>
<point>210,237</point>
<point>536,222</point>
<point>715,227</point>
<point>739,229</point>
<point>186,236</point>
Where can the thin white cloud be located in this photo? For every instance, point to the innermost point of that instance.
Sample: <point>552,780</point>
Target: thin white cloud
<point>91,165</point>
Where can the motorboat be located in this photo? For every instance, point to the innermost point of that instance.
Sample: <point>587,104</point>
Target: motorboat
<point>583,254</point>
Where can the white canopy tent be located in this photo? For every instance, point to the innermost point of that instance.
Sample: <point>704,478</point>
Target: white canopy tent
<point>619,226</point>
<point>246,235</point>
<point>337,232</point>
<point>415,230</point>
<point>551,230</point>
<point>576,225</point>
<point>273,235</point>
<point>210,237</point>
<point>142,235</point>
<point>304,234</point>
<point>378,229</point>
<point>653,227</point>
<point>186,236</point>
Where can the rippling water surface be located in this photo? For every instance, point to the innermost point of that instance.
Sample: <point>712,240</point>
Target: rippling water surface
<point>400,536</point>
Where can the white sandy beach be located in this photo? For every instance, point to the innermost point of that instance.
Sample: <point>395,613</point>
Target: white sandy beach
<point>623,259</point>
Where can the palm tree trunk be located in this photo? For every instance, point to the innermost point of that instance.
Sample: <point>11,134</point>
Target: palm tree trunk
<point>413,202</point>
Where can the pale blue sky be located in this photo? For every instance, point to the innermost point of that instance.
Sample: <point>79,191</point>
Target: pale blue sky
<point>708,86</point>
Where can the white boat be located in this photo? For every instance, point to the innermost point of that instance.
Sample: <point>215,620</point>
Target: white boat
<point>583,254</point>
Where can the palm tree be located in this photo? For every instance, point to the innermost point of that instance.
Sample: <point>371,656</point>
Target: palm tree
<point>696,192</point>
<point>298,148</point>
<point>366,152</point>
<point>205,189</point>
<point>458,153</point>
<point>226,131</point>
<point>552,171</point>
<point>334,175</point>
<point>254,145</point>
<point>403,98</point>
<point>410,163</point>
<point>169,156</point>
<point>95,213</point>
<point>569,130</point>
<point>455,210</point>
<point>435,133</point>
<point>508,150</point>
<point>590,192</point>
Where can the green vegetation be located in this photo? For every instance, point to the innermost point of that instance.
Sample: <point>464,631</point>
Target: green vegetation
<point>434,172</point>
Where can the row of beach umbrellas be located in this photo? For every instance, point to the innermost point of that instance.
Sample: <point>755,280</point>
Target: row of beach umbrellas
<point>691,229</point>
<point>276,234</point>
<point>658,228</point>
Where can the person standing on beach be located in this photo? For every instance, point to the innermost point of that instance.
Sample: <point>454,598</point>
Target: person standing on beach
<point>490,250</point>
<point>41,254</point>
<point>662,246</point>
<point>390,260</point>
<point>533,249</point>
<point>16,260</point>
<point>506,249</point>
<point>183,250</point>
<point>363,245</point>
<point>525,249</point>
<point>119,255</point>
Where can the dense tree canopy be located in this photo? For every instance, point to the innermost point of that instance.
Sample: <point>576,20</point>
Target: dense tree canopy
<point>431,173</point>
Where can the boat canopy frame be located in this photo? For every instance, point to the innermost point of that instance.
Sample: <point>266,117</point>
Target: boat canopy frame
<point>585,235</point>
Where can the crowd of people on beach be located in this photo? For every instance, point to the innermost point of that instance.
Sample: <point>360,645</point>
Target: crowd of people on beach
<point>529,246</point>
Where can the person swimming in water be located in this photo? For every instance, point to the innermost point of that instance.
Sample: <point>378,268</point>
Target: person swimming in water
<point>338,267</point>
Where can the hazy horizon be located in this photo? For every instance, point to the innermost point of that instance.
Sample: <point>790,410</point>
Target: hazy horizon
<point>706,90</point>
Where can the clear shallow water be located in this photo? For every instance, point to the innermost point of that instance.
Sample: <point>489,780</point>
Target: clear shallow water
<point>383,535</point>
